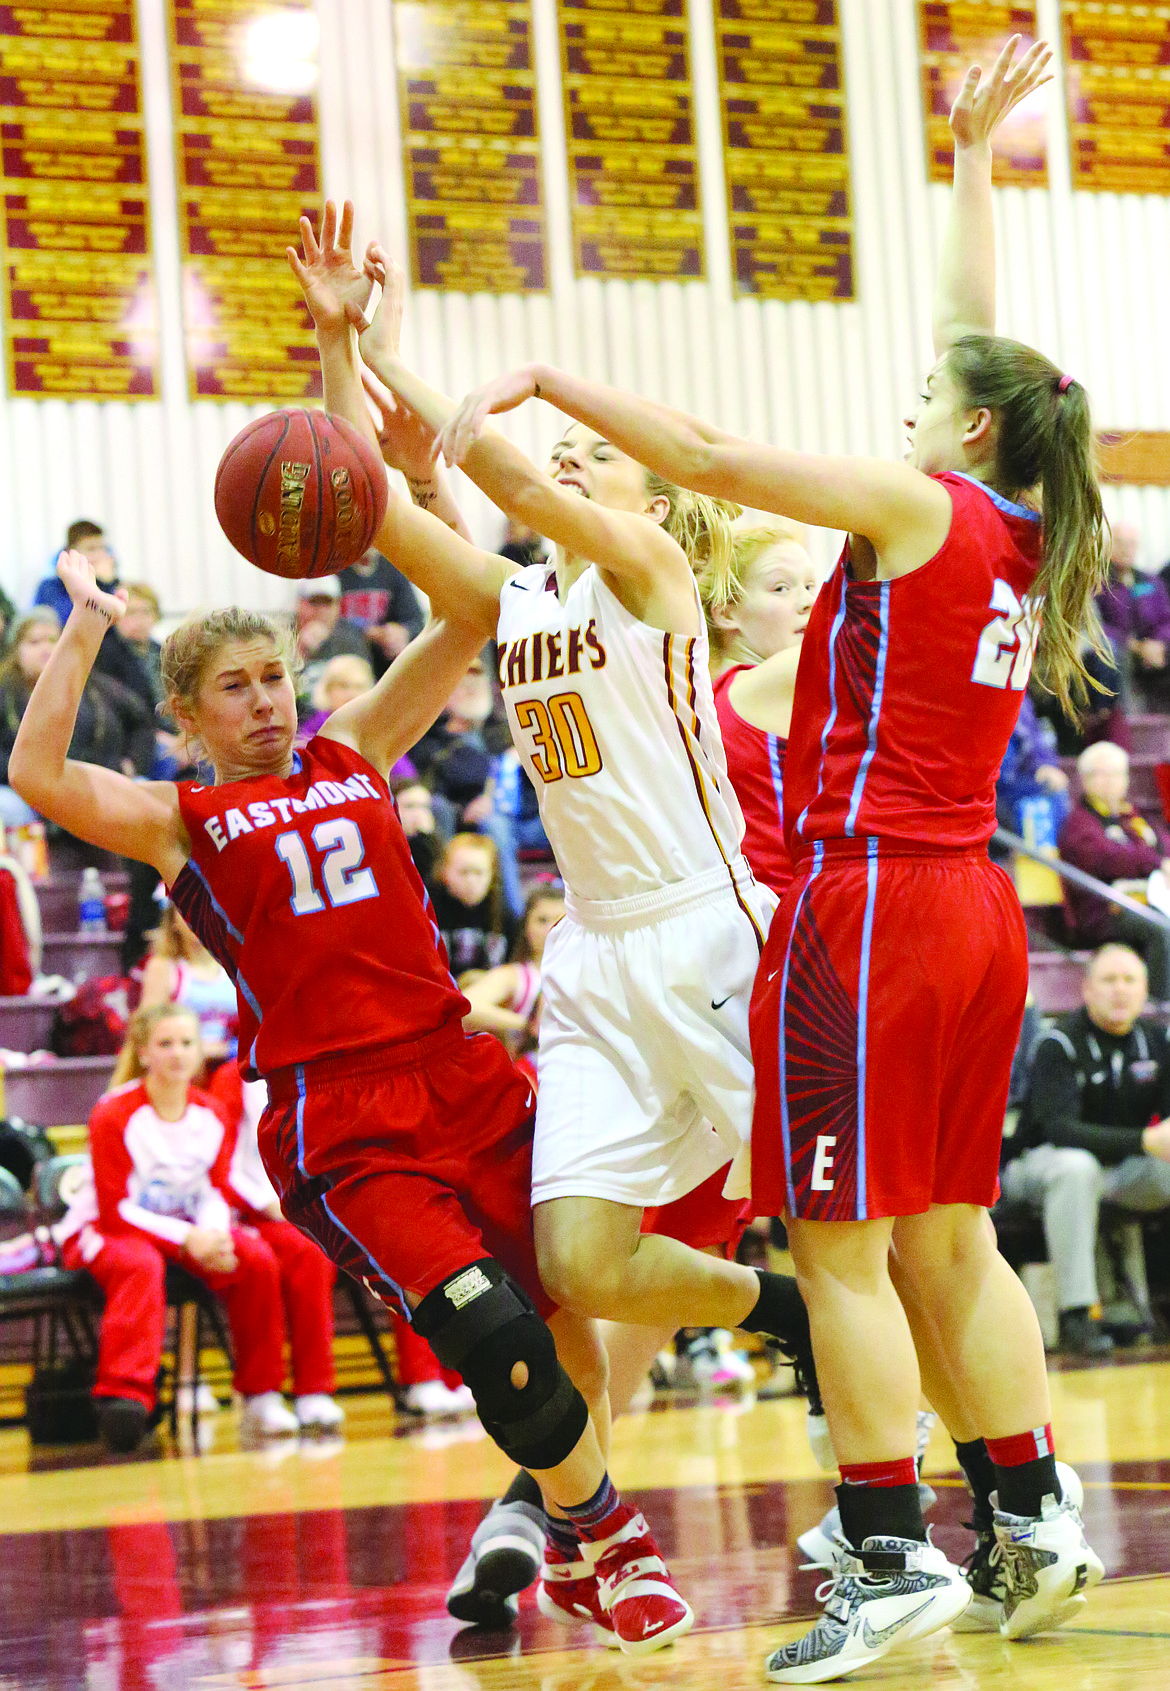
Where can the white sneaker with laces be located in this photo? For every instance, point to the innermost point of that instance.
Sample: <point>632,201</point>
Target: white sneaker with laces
<point>867,1614</point>
<point>318,1409</point>
<point>984,1567</point>
<point>1048,1566</point>
<point>267,1416</point>
<point>433,1397</point>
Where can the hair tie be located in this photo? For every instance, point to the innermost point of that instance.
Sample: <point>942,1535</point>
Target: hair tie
<point>1065,383</point>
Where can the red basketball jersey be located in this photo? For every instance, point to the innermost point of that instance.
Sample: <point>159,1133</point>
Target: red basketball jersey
<point>908,691</point>
<point>755,765</point>
<point>305,891</point>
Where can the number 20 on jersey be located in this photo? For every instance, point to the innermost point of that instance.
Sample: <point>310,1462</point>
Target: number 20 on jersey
<point>1007,645</point>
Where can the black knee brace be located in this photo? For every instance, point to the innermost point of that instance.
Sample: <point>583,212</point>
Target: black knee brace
<point>482,1324</point>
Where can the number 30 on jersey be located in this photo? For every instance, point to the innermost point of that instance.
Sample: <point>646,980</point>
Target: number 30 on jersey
<point>1008,643</point>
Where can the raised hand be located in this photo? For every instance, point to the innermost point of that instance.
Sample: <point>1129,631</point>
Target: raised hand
<point>327,274</point>
<point>505,393</point>
<point>982,105</point>
<point>408,444</point>
<point>76,571</point>
<point>378,336</point>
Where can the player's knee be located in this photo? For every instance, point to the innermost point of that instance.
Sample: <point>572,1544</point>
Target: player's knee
<point>481,1323</point>
<point>1072,1169</point>
<point>572,1278</point>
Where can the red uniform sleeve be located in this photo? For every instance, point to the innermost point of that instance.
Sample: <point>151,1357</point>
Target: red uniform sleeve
<point>112,1164</point>
<point>15,971</point>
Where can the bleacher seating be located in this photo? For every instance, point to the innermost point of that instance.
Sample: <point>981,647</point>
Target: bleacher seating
<point>25,1024</point>
<point>1055,979</point>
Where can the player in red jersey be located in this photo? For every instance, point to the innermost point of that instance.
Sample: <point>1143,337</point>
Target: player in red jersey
<point>757,610</point>
<point>891,988</point>
<point>402,1145</point>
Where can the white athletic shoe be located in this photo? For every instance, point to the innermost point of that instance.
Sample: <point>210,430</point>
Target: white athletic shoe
<point>867,1614</point>
<point>819,1543</point>
<point>432,1397</point>
<point>507,1548</point>
<point>319,1410</point>
<point>1048,1566</point>
<point>985,1569</point>
<point>715,1363</point>
<point>267,1416</point>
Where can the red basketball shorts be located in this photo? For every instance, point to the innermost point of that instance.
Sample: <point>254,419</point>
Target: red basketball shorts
<point>408,1163</point>
<point>703,1218</point>
<point>883,1024</point>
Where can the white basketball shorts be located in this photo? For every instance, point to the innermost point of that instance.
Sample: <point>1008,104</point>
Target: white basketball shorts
<point>644,1060</point>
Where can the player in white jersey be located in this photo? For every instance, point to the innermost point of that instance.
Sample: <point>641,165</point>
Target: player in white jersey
<point>647,981</point>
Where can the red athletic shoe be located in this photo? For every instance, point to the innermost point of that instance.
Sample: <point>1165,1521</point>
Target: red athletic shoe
<point>568,1592</point>
<point>635,1588</point>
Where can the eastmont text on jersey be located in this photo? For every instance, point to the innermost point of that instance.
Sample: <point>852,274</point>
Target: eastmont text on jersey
<point>260,814</point>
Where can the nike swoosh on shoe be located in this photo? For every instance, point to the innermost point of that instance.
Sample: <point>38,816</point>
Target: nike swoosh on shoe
<point>875,1636</point>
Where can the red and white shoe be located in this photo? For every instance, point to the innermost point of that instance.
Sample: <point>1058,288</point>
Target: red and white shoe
<point>635,1587</point>
<point>569,1593</point>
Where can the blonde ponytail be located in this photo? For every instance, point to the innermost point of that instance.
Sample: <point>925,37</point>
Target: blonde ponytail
<point>138,1031</point>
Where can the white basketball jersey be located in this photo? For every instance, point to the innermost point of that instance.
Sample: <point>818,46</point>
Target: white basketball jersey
<point>615,724</point>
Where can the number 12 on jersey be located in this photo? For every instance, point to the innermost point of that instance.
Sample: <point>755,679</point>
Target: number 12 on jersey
<point>342,875</point>
<point>1008,643</point>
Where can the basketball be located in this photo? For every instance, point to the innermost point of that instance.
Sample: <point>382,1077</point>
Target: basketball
<point>300,493</point>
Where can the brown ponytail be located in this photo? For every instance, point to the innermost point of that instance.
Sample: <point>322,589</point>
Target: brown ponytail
<point>1045,444</point>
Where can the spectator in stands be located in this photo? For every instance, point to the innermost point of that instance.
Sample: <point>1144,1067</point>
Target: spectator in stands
<point>143,612</point>
<point>378,598</point>
<point>180,970</point>
<point>342,680</point>
<point>307,1276</point>
<point>469,904</point>
<point>114,727</point>
<point>522,546</point>
<point>1032,788</point>
<point>1106,837</point>
<point>1094,1129</point>
<point>515,824</point>
<point>453,755</point>
<point>321,630</point>
<point>161,1157</point>
<point>89,538</point>
<point>1135,614</point>
<point>503,1001</point>
<point>425,838</point>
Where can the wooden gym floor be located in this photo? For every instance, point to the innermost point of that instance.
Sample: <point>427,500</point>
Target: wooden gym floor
<point>325,1565</point>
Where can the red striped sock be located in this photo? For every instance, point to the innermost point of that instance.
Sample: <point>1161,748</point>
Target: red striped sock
<point>901,1471</point>
<point>1013,1452</point>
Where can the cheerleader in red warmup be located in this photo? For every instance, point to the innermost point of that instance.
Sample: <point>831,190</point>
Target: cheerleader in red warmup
<point>161,1159</point>
<point>888,1002</point>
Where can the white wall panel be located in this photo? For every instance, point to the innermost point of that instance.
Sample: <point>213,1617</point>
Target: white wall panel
<point>1078,276</point>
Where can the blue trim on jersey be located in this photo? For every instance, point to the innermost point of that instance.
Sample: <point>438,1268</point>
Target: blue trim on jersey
<point>831,719</point>
<point>216,905</point>
<point>785,1131</point>
<point>302,1170</point>
<point>862,1015</point>
<point>1007,506</point>
<point>875,709</point>
<point>296,764</point>
<point>250,998</point>
<point>777,769</point>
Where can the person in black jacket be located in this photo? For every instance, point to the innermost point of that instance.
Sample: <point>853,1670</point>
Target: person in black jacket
<point>1095,1125</point>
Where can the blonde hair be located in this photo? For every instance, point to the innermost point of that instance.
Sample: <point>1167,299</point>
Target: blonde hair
<point>139,1029</point>
<point>700,525</point>
<point>722,584</point>
<point>42,617</point>
<point>144,591</point>
<point>187,652</point>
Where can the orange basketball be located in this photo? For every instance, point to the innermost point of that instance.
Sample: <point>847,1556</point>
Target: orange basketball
<point>300,493</point>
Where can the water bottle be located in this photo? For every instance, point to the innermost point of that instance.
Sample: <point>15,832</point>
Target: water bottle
<point>91,903</point>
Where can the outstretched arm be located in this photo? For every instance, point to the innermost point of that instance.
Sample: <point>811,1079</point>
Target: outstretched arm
<point>433,551</point>
<point>384,723</point>
<point>624,543</point>
<point>133,818</point>
<point>868,496</point>
<point>964,296</point>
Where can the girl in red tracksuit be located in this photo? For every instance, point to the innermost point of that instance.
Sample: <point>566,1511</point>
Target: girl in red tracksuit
<point>161,1156</point>
<point>306,1274</point>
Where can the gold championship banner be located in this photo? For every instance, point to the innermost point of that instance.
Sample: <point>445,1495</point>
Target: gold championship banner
<point>243,83</point>
<point>1117,81</point>
<point>80,311</point>
<point>953,35</point>
<point>633,154</point>
<point>786,148</point>
<point>471,145</point>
